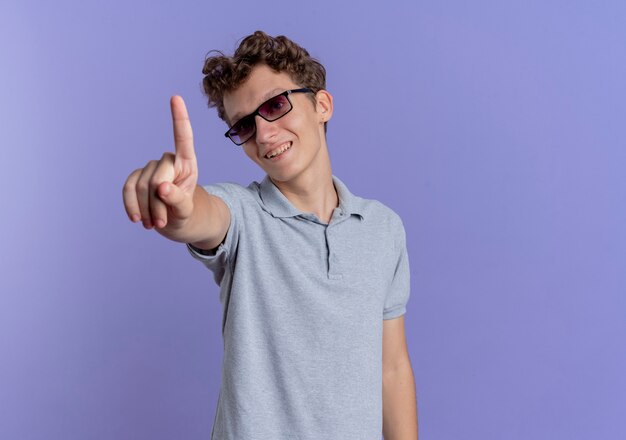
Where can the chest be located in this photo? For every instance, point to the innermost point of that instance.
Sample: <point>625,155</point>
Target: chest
<point>349,254</point>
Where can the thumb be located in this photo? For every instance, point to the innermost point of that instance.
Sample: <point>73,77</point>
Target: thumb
<point>176,199</point>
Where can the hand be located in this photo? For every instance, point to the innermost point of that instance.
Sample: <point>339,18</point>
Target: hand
<point>161,193</point>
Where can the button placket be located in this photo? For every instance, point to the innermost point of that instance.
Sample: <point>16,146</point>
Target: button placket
<point>334,271</point>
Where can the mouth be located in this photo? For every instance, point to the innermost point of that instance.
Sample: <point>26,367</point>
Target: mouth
<point>276,152</point>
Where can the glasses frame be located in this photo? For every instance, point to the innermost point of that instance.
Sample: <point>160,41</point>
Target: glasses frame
<point>252,115</point>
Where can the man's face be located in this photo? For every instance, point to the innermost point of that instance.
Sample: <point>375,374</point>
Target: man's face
<point>299,134</point>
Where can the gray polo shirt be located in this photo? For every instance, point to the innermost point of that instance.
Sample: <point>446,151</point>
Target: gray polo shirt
<point>303,304</point>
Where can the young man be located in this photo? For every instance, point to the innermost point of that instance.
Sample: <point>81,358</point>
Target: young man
<point>313,280</point>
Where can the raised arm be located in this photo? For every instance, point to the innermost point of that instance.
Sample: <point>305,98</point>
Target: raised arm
<point>165,194</point>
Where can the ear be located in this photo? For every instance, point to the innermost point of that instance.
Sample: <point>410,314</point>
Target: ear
<point>324,106</point>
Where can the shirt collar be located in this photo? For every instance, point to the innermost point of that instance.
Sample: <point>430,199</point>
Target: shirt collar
<point>279,206</point>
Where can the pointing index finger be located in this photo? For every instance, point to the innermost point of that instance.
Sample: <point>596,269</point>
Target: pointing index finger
<point>183,136</point>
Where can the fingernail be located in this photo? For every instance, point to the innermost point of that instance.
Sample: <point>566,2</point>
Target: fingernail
<point>160,223</point>
<point>147,224</point>
<point>135,218</point>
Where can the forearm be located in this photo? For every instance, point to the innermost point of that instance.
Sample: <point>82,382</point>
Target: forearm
<point>208,223</point>
<point>399,405</point>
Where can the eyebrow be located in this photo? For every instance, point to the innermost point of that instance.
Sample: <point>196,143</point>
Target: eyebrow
<point>264,98</point>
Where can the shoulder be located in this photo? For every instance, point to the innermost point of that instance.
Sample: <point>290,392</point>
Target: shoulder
<point>377,211</point>
<point>382,221</point>
<point>370,210</point>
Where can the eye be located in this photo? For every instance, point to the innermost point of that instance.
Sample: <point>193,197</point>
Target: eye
<point>243,126</point>
<point>277,104</point>
<point>274,107</point>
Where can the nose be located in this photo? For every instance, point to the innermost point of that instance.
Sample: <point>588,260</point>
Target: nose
<point>265,131</point>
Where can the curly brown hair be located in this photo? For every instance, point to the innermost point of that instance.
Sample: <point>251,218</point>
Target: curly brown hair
<point>223,74</point>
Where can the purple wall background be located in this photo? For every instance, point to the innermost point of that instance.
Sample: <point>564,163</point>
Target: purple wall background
<point>495,130</point>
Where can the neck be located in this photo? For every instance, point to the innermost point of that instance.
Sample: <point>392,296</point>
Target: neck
<point>313,190</point>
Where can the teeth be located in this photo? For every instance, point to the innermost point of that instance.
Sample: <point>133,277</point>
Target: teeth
<point>278,151</point>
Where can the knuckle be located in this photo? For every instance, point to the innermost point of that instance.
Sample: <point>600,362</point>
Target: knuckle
<point>142,186</point>
<point>129,184</point>
<point>183,137</point>
<point>155,181</point>
<point>167,156</point>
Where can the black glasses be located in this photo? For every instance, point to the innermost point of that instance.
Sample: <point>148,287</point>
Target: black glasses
<point>272,109</point>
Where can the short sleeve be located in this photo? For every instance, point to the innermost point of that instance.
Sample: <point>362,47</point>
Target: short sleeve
<point>221,259</point>
<point>397,296</point>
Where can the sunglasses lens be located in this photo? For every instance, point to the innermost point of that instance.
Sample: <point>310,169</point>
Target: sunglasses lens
<point>275,108</point>
<point>272,109</point>
<point>242,130</point>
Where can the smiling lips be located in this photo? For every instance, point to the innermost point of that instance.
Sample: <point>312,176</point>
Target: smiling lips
<point>278,151</point>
